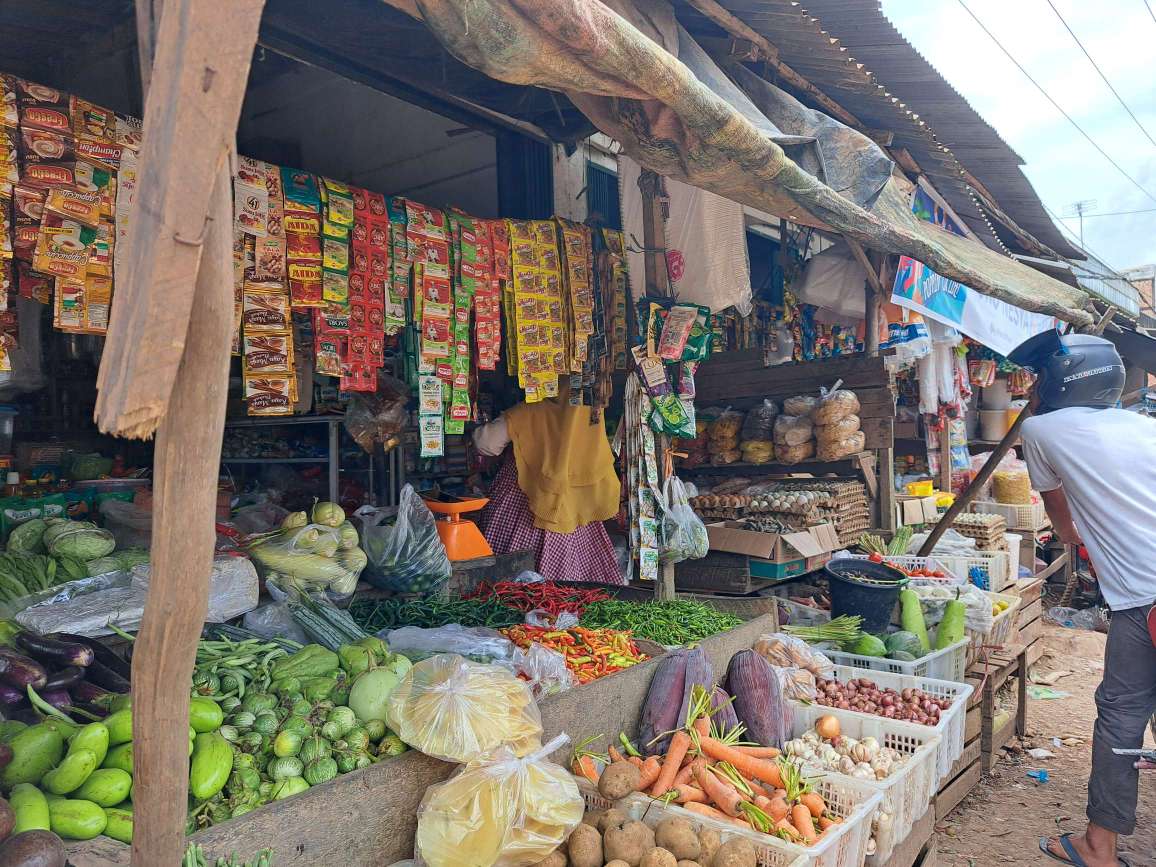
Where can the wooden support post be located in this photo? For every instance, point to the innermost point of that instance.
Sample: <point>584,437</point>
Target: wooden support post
<point>945,458</point>
<point>886,463</point>
<point>166,368</point>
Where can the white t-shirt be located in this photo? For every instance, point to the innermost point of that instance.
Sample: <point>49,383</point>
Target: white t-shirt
<point>1105,460</point>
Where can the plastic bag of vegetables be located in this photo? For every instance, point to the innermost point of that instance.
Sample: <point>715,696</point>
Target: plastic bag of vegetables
<point>501,810</point>
<point>312,555</point>
<point>683,534</point>
<point>457,710</point>
<point>407,556</point>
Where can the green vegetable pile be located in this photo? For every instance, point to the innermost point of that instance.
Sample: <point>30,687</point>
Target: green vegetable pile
<point>680,621</point>
<point>24,574</point>
<point>375,615</point>
<point>195,857</point>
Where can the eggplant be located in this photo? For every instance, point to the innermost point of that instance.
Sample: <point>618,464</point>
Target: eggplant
<point>20,671</point>
<point>103,676</point>
<point>11,696</point>
<point>27,715</point>
<point>101,652</point>
<point>58,698</point>
<point>84,692</point>
<point>56,653</point>
<point>64,678</point>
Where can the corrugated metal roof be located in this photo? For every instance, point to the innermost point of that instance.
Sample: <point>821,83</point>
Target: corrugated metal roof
<point>863,29</point>
<point>827,56</point>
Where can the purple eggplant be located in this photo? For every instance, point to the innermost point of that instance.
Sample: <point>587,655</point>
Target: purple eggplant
<point>85,692</point>
<point>65,678</point>
<point>10,696</point>
<point>27,715</point>
<point>20,671</point>
<point>101,652</point>
<point>58,698</point>
<point>101,675</point>
<point>56,653</point>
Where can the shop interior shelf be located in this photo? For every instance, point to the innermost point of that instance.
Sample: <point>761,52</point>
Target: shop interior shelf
<point>318,460</point>
<point>772,465</point>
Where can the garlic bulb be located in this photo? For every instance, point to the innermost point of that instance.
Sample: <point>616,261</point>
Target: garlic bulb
<point>796,747</point>
<point>829,756</point>
<point>846,765</point>
<point>863,771</point>
<point>871,744</point>
<point>862,752</point>
<point>845,745</point>
<point>881,764</point>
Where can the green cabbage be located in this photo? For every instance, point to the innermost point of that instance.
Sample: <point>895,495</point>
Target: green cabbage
<point>28,538</point>
<point>79,539</point>
<point>118,561</point>
<point>904,642</point>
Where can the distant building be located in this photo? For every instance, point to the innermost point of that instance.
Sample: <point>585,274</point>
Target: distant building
<point>1143,277</point>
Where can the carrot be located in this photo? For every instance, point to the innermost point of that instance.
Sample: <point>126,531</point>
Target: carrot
<point>779,793</point>
<point>585,767</point>
<point>814,803</point>
<point>825,823</point>
<point>679,745</point>
<point>685,775</point>
<point>801,819</point>
<point>762,802</point>
<point>778,808</point>
<point>711,812</point>
<point>615,756</point>
<point>759,752</point>
<point>748,766</point>
<point>635,760</point>
<point>702,726</point>
<point>788,829</point>
<point>688,794</point>
<point>651,770</point>
<point>716,790</point>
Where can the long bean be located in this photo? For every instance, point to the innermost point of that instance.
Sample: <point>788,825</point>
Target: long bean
<point>679,621</point>
<point>376,615</point>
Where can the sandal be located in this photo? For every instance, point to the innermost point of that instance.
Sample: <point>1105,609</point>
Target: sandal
<point>1073,858</point>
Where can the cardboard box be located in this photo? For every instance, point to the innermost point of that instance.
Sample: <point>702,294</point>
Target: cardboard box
<point>776,556</point>
<point>915,510</point>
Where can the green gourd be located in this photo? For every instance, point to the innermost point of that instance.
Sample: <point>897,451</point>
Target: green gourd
<point>951,628</point>
<point>911,617</point>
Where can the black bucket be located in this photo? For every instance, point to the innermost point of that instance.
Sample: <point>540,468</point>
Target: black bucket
<point>873,599</point>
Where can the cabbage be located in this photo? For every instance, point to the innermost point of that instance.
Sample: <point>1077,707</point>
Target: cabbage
<point>28,538</point>
<point>904,642</point>
<point>79,539</point>
<point>102,566</point>
<point>119,561</point>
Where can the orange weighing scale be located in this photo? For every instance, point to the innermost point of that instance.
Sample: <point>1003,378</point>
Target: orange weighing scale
<point>462,539</point>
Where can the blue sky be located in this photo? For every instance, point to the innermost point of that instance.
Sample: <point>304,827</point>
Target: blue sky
<point>1061,164</point>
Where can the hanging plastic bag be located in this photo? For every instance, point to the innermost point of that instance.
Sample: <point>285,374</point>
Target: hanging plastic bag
<point>309,558</point>
<point>682,534</point>
<point>378,416</point>
<point>500,810</point>
<point>457,711</point>
<point>407,556</point>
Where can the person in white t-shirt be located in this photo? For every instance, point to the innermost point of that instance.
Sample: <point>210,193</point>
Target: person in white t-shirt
<point>1095,467</point>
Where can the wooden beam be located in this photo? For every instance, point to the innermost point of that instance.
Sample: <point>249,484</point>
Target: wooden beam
<point>906,161</point>
<point>193,101</point>
<point>770,54</point>
<point>861,257</point>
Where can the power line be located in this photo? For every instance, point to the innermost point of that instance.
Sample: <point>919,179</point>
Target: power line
<point>1121,213</point>
<point>1148,6</point>
<point>1059,221</point>
<point>1103,77</point>
<point>1047,96</point>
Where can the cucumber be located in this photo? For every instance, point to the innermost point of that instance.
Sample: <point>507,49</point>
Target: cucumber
<point>76,820</point>
<point>951,628</point>
<point>35,750</point>
<point>71,773</point>
<point>119,824</point>
<point>30,807</point>
<point>911,617</point>
<point>106,787</point>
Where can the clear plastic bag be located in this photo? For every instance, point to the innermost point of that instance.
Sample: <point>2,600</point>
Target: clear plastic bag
<point>682,534</point>
<point>1012,485</point>
<point>378,416</point>
<point>500,810</point>
<point>793,430</point>
<point>933,598</point>
<point>833,450</point>
<point>760,421</point>
<point>795,454</point>
<point>263,517</point>
<point>837,430</point>
<point>309,558</point>
<point>796,683</point>
<point>727,426</point>
<point>835,405</point>
<point>130,525</point>
<point>457,711</point>
<point>800,405</point>
<point>786,651</point>
<point>407,556</point>
<point>758,451</point>
<point>273,619</point>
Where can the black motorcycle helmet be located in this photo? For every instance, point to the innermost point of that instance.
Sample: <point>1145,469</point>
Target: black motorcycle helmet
<point>1073,370</point>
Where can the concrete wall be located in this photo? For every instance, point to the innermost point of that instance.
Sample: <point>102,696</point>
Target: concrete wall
<point>368,818</point>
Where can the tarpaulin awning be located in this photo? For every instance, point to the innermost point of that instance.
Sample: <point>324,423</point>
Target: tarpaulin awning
<point>620,66</point>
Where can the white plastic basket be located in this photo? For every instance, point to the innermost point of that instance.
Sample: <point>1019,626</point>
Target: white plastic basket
<point>1031,517</point>
<point>844,845</point>
<point>911,563</point>
<point>908,791</point>
<point>1001,627</point>
<point>947,664</point>
<point>988,570</point>
<point>951,721</point>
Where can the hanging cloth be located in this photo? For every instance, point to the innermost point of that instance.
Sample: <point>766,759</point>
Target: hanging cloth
<point>565,466</point>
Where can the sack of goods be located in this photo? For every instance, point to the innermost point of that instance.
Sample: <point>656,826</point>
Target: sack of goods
<point>723,435</point>
<point>837,432</point>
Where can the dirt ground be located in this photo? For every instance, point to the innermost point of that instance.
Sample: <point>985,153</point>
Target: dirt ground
<point>1002,819</point>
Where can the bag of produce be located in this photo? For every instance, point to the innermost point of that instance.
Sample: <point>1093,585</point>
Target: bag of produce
<point>837,430</point>
<point>760,421</point>
<point>793,430</point>
<point>795,454</point>
<point>833,450</point>
<point>501,810</point>
<point>787,651</point>
<point>682,535</point>
<point>457,710</point>
<point>407,556</point>
<point>758,451</point>
<point>800,405</point>
<point>312,556</point>
<point>727,426</point>
<point>835,405</point>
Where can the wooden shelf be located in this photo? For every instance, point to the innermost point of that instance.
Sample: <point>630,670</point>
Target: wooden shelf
<point>772,466</point>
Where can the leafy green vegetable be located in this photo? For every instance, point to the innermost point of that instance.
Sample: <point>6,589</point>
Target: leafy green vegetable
<point>28,538</point>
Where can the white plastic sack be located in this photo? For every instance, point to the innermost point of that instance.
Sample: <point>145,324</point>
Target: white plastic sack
<point>834,281</point>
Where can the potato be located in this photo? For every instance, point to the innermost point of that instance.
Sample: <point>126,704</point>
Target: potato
<point>658,857</point>
<point>689,864</point>
<point>677,837</point>
<point>735,852</point>
<point>619,780</point>
<point>593,819</point>
<point>617,864</point>
<point>584,847</point>
<point>611,818</point>
<point>628,842</point>
<point>708,841</point>
<point>557,858</point>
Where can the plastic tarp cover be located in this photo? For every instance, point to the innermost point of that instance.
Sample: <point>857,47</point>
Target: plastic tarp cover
<point>618,62</point>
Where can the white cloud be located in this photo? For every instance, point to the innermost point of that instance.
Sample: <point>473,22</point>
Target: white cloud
<point>1062,165</point>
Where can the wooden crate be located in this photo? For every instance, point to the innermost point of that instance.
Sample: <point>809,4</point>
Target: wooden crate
<point>963,779</point>
<point>913,851</point>
<point>718,572</point>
